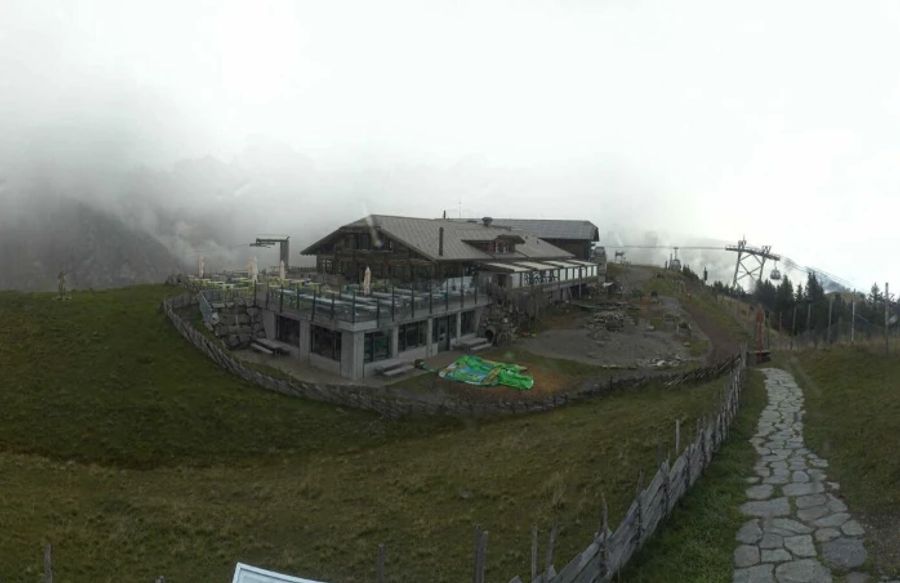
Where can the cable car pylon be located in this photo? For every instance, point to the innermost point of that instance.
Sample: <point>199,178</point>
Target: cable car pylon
<point>751,261</point>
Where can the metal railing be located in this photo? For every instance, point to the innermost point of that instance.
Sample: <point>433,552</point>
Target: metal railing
<point>382,304</point>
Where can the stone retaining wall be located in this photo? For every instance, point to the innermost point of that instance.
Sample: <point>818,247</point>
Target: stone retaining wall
<point>395,402</point>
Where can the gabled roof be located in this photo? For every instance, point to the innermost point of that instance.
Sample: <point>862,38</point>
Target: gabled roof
<point>550,228</point>
<point>422,236</point>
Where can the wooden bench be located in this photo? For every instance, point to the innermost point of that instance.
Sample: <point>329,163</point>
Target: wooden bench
<point>476,344</point>
<point>260,348</point>
<point>397,370</point>
<point>273,346</point>
<point>392,368</point>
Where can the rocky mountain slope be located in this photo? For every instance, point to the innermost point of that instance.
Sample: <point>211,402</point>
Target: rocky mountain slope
<point>94,248</point>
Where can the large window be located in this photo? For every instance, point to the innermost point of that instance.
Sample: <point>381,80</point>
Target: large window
<point>377,346</point>
<point>287,330</point>
<point>441,328</point>
<point>467,325</point>
<point>412,335</point>
<point>325,342</point>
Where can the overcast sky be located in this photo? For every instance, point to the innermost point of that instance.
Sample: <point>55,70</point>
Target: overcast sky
<point>775,120</point>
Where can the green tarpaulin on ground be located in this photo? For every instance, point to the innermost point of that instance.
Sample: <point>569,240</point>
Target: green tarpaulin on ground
<point>474,370</point>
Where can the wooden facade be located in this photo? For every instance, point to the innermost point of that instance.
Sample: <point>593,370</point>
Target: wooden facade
<point>354,248</point>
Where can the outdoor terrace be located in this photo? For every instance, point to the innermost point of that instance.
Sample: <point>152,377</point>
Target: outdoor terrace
<point>351,308</point>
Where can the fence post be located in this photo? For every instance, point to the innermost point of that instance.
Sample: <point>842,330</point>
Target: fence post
<point>604,526</point>
<point>480,554</point>
<point>484,541</point>
<point>887,304</point>
<point>48,563</point>
<point>640,507</point>
<point>677,435</point>
<point>534,553</point>
<point>664,468</point>
<point>551,544</point>
<point>808,319</point>
<point>704,443</point>
<point>793,326</point>
<point>830,309</point>
<point>379,566</point>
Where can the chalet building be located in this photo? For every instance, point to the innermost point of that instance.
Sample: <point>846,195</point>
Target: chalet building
<point>406,248</point>
<point>429,287</point>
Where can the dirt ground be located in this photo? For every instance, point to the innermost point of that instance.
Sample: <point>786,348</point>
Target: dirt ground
<point>640,345</point>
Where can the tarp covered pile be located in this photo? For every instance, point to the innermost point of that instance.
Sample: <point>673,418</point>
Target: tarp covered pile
<point>487,373</point>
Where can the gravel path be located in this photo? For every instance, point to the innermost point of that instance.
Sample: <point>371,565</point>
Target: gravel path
<point>799,530</point>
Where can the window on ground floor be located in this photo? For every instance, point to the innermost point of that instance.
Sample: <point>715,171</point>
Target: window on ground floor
<point>441,327</point>
<point>377,346</point>
<point>412,335</point>
<point>325,342</point>
<point>467,326</point>
<point>287,330</point>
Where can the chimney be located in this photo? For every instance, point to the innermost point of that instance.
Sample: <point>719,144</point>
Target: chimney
<point>445,214</point>
<point>487,221</point>
<point>441,242</point>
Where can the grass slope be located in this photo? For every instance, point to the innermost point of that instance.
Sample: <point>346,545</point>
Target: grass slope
<point>714,314</point>
<point>137,457</point>
<point>105,378</point>
<point>853,420</point>
<point>697,541</point>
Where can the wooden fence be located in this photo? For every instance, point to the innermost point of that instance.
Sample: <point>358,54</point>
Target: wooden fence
<point>609,551</point>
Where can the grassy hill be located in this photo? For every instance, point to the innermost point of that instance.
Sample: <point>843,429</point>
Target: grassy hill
<point>137,457</point>
<point>853,420</point>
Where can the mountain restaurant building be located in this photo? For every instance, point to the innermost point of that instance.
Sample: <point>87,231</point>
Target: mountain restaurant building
<point>410,288</point>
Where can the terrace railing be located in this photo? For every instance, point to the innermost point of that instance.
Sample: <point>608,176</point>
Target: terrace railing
<point>382,304</point>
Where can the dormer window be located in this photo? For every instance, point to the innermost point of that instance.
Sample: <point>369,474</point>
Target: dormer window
<point>502,245</point>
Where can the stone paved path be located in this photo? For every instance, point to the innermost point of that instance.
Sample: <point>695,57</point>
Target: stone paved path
<point>799,530</point>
